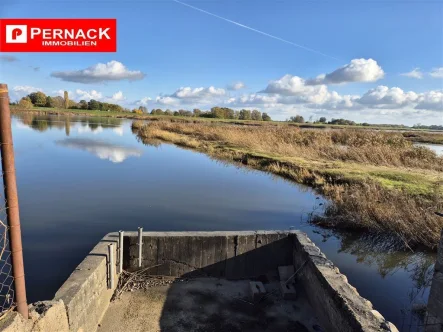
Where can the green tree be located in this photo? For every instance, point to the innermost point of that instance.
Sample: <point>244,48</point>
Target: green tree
<point>93,104</point>
<point>265,117</point>
<point>25,102</point>
<point>49,102</point>
<point>83,104</point>
<point>197,112</point>
<point>168,112</point>
<point>66,99</point>
<point>322,119</point>
<point>72,104</point>
<point>58,102</point>
<point>217,112</point>
<point>157,111</point>
<point>297,119</point>
<point>144,109</point>
<point>255,115</point>
<point>38,98</point>
<point>245,115</point>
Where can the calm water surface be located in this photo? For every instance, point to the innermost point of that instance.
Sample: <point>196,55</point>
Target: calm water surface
<point>81,178</point>
<point>438,148</point>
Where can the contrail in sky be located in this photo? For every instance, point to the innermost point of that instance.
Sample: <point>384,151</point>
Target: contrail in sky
<point>258,31</point>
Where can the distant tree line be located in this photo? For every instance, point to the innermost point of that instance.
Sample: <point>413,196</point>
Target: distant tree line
<point>217,113</point>
<point>431,127</point>
<point>39,99</point>
<point>323,120</point>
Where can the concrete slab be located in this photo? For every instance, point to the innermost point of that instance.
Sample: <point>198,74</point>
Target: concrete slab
<point>288,291</point>
<point>207,304</point>
<point>257,290</point>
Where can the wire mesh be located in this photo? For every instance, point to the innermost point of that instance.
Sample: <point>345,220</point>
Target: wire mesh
<point>6,277</point>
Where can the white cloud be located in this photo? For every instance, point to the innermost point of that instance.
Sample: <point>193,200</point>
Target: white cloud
<point>236,86</point>
<point>166,100</point>
<point>118,96</point>
<point>198,93</point>
<point>143,102</point>
<point>415,73</point>
<point>430,100</point>
<point>24,90</point>
<point>384,97</point>
<point>80,94</point>
<point>358,70</point>
<point>100,72</point>
<point>192,96</point>
<point>437,72</point>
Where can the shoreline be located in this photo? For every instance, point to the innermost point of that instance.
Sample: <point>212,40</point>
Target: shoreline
<point>372,198</point>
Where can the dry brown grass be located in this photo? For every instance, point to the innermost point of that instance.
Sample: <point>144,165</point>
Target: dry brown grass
<point>376,180</point>
<point>376,148</point>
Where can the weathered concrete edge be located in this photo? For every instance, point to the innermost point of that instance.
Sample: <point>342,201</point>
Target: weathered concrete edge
<point>43,316</point>
<point>86,293</point>
<point>352,311</point>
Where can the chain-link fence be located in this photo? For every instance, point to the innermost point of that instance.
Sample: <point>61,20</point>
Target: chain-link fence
<point>6,277</point>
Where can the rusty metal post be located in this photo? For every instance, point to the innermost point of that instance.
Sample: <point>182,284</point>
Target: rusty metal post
<point>12,211</point>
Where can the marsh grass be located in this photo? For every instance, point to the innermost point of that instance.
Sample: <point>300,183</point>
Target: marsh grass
<point>377,181</point>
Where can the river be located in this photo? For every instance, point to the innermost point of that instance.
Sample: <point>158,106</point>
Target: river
<point>80,178</point>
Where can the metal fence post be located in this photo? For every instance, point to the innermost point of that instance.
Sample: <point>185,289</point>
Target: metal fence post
<point>140,244</point>
<point>12,210</point>
<point>111,265</point>
<point>120,250</point>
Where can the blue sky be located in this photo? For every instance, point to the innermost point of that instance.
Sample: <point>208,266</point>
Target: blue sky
<point>164,46</point>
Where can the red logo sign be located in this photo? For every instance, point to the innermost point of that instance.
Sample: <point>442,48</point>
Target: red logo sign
<point>58,35</point>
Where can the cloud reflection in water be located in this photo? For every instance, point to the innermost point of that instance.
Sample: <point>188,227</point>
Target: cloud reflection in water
<point>103,150</point>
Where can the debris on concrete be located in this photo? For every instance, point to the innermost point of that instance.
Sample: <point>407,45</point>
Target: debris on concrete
<point>257,290</point>
<point>207,304</point>
<point>139,280</point>
<point>288,291</point>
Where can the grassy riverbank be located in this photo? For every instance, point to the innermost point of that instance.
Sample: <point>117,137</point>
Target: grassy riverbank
<point>376,180</point>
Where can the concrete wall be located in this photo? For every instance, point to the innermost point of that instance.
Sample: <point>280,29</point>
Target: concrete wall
<point>238,255</point>
<point>337,304</point>
<point>434,319</point>
<point>209,253</point>
<point>83,299</point>
<point>78,305</point>
<point>86,293</point>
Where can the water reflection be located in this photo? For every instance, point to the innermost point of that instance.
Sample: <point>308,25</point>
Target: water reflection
<point>94,125</point>
<point>412,270</point>
<point>103,150</point>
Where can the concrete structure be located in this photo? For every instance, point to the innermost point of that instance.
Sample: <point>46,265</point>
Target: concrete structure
<point>79,304</point>
<point>434,317</point>
<point>232,256</point>
<point>247,255</point>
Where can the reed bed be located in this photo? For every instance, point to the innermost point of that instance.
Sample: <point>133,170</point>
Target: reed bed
<point>377,181</point>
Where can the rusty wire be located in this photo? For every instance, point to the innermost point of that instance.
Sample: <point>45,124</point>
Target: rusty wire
<point>7,295</point>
